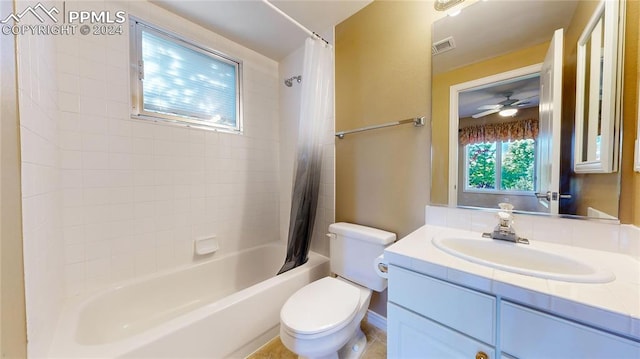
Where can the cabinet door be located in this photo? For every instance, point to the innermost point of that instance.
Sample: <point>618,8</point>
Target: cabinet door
<point>462,309</point>
<point>412,336</point>
<point>527,333</point>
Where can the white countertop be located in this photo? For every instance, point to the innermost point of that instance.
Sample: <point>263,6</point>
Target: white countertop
<point>613,306</point>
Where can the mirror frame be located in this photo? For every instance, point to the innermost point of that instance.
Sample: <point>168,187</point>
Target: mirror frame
<point>636,166</point>
<point>610,92</point>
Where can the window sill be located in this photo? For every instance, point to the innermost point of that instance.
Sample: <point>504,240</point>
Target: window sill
<point>497,192</point>
<point>169,122</point>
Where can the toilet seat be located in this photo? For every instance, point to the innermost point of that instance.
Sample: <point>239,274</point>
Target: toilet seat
<point>320,308</point>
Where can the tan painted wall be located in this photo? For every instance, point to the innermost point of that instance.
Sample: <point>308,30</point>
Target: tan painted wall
<point>13,341</point>
<point>383,74</point>
<point>441,85</point>
<point>630,199</point>
<point>635,210</point>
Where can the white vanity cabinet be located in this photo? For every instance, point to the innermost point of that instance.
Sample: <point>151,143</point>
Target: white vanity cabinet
<point>457,323</point>
<point>528,333</point>
<point>410,335</point>
<point>433,318</point>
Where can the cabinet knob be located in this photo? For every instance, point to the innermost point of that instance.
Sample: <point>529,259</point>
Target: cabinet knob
<point>482,355</point>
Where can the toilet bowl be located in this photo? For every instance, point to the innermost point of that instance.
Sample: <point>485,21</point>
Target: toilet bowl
<point>322,319</point>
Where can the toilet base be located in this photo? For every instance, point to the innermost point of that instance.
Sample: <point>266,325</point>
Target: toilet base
<point>354,347</point>
<point>352,350</point>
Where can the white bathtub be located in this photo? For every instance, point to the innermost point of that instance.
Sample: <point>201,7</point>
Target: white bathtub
<point>220,308</point>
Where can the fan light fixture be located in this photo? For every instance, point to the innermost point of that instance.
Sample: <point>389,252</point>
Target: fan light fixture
<point>508,112</point>
<point>444,5</point>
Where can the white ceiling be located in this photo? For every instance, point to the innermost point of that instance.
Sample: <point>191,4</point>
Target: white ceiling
<point>487,29</point>
<point>484,29</point>
<point>253,24</point>
<point>526,89</point>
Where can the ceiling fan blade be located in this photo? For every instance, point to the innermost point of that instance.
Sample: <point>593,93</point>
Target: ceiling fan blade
<point>509,102</point>
<point>489,107</point>
<point>524,100</point>
<point>485,113</point>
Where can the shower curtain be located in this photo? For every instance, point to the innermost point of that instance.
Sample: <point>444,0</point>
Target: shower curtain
<point>315,112</point>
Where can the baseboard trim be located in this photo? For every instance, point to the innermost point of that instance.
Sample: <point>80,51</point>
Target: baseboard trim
<point>256,344</point>
<point>377,320</point>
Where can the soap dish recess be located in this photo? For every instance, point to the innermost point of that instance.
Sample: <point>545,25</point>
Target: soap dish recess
<point>206,245</point>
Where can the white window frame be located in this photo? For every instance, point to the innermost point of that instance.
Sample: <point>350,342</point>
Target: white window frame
<point>498,170</point>
<point>136,27</point>
<point>605,91</point>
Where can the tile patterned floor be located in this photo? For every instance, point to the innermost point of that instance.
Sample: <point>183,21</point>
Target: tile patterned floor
<point>376,346</point>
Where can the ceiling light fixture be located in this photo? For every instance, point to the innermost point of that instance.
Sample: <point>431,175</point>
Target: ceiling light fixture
<point>508,112</point>
<point>444,5</point>
<point>454,12</point>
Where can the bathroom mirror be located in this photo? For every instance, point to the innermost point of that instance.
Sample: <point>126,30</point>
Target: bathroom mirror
<point>598,95</point>
<point>637,144</point>
<point>488,59</point>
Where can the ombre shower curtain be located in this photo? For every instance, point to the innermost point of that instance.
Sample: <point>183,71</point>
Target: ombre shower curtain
<point>315,113</point>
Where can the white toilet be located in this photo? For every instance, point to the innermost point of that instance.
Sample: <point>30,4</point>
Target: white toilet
<point>322,319</point>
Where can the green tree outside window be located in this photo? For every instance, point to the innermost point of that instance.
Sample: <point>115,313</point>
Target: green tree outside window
<point>515,166</point>
<point>482,165</point>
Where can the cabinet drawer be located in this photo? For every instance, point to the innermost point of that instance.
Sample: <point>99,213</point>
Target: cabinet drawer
<point>527,333</point>
<point>462,309</point>
<point>413,336</point>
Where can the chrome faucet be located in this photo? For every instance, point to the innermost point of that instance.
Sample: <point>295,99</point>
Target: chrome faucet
<point>504,231</point>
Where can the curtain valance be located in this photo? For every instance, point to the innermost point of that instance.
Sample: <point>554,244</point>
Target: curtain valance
<point>504,131</point>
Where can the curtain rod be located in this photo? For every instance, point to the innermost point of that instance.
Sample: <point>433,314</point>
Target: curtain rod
<point>292,20</point>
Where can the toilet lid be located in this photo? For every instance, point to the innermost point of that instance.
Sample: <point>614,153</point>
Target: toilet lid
<point>320,306</point>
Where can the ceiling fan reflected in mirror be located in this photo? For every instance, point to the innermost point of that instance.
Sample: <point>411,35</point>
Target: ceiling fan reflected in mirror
<point>505,108</point>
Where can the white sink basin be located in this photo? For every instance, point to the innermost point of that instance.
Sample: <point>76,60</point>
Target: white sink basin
<point>521,258</point>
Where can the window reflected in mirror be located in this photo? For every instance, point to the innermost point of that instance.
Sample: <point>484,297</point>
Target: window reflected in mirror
<point>500,166</point>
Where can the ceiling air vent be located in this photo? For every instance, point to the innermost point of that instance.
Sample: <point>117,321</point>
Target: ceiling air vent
<point>443,46</point>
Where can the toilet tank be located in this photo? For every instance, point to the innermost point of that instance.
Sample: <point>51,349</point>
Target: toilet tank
<point>353,249</point>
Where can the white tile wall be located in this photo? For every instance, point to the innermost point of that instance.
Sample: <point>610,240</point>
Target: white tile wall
<point>41,194</point>
<point>136,193</point>
<point>598,235</point>
<point>107,198</point>
<point>630,240</point>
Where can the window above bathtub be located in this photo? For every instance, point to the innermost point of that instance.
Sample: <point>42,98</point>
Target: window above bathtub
<point>178,81</point>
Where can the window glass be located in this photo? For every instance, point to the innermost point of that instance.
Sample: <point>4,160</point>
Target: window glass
<point>518,158</point>
<point>501,166</point>
<point>481,165</point>
<point>179,81</point>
